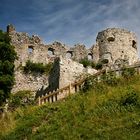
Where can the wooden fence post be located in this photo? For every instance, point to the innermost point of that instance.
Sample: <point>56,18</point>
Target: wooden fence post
<point>54,98</point>
<point>39,103</point>
<point>69,88</point>
<point>138,71</point>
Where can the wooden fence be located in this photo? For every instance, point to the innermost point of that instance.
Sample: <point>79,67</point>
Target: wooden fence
<point>62,93</point>
<point>76,86</point>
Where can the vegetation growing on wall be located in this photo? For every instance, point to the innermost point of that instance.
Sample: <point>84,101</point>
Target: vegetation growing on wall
<point>7,58</point>
<point>90,63</point>
<point>37,67</point>
<point>87,62</point>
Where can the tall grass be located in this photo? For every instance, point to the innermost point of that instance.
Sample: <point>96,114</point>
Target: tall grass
<point>104,113</point>
<point>7,123</point>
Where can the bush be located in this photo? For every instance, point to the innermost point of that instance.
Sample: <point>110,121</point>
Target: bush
<point>92,82</point>
<point>90,63</point>
<point>98,66</point>
<point>87,63</point>
<point>2,96</point>
<point>110,79</point>
<point>128,72</point>
<point>37,67</point>
<point>89,83</point>
<point>20,99</point>
<point>131,98</point>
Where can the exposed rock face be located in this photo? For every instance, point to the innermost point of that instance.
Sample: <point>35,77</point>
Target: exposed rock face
<point>117,44</point>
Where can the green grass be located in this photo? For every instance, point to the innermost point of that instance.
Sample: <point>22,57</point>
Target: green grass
<point>106,113</point>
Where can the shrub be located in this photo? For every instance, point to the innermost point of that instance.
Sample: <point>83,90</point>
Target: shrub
<point>90,63</point>
<point>92,82</point>
<point>128,72</point>
<point>87,63</point>
<point>2,96</point>
<point>37,67</point>
<point>110,79</point>
<point>131,98</point>
<point>20,99</point>
<point>89,83</point>
<point>98,66</point>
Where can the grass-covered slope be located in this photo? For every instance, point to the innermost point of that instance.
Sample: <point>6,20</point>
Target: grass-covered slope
<point>103,113</point>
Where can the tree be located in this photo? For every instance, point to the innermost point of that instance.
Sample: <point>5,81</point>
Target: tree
<point>7,58</point>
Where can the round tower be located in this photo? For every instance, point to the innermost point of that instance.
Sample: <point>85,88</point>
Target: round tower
<point>117,45</point>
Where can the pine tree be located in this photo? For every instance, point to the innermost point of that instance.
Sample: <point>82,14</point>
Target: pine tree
<point>7,58</point>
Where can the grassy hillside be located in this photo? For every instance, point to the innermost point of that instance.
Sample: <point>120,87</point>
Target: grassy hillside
<point>102,113</point>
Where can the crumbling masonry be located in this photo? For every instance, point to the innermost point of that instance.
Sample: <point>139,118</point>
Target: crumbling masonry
<point>114,45</point>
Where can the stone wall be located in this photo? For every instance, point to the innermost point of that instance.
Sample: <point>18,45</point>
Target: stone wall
<point>114,44</point>
<point>117,44</point>
<point>67,71</point>
<point>29,82</point>
<point>32,48</point>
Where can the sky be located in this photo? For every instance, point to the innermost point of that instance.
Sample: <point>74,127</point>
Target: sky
<point>70,21</point>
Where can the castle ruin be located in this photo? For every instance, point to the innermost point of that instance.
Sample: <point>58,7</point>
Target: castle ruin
<point>114,45</point>
<point>117,44</point>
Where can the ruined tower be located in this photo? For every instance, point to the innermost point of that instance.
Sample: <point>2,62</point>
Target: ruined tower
<point>117,45</point>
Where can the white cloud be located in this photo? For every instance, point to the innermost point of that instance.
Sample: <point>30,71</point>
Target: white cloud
<point>74,21</point>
